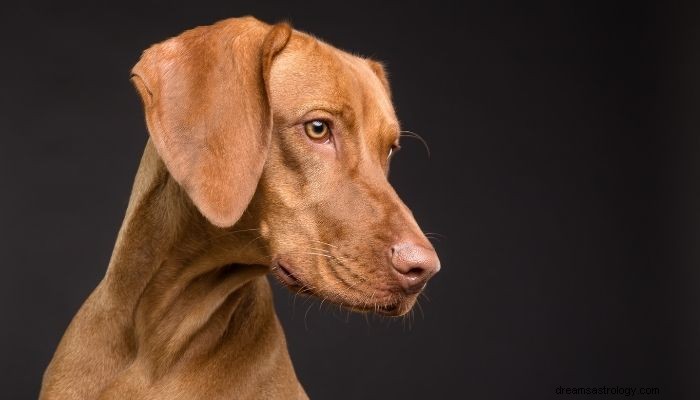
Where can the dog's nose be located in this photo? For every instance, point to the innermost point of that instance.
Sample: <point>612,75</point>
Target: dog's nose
<point>414,265</point>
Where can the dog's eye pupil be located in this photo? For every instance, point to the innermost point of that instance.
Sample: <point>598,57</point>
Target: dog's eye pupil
<point>318,126</point>
<point>317,130</point>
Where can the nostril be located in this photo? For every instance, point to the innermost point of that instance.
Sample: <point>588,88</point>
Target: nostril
<point>396,248</point>
<point>413,265</point>
<point>415,272</point>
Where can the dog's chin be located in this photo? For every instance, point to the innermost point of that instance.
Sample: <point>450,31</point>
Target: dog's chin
<point>392,309</point>
<point>396,305</point>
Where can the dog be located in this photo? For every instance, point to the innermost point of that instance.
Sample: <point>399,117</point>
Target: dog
<point>268,152</point>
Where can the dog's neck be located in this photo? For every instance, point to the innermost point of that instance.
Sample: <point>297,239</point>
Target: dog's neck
<point>182,277</point>
<point>178,293</point>
<point>163,230</point>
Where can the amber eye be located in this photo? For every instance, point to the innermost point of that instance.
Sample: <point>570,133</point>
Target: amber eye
<point>393,149</point>
<point>317,130</point>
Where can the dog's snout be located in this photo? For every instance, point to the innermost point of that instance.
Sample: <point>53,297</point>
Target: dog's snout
<point>413,265</point>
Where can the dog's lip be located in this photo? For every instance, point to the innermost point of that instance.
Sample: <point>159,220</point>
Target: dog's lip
<point>285,274</point>
<point>392,309</point>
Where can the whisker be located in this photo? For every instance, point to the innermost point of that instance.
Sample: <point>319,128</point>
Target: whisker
<point>305,314</point>
<point>416,136</point>
<point>424,295</point>
<point>420,308</point>
<point>315,254</point>
<point>251,242</point>
<point>232,233</point>
<point>327,244</point>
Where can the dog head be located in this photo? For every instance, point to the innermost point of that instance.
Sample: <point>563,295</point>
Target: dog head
<point>299,135</point>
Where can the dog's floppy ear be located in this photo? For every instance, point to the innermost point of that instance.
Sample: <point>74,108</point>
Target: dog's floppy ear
<point>206,104</point>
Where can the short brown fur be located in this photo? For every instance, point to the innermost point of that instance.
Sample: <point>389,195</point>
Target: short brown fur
<point>228,189</point>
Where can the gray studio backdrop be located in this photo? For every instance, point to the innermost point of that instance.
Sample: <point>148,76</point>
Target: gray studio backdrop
<point>561,182</point>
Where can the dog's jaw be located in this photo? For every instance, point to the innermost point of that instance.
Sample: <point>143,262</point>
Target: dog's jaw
<point>385,300</point>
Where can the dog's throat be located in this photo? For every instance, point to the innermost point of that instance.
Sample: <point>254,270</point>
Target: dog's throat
<point>183,315</point>
<point>170,301</point>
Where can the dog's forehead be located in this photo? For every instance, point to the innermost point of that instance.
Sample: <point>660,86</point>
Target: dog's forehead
<point>310,74</point>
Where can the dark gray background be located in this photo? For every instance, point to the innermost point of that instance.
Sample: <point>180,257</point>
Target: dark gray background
<point>563,177</point>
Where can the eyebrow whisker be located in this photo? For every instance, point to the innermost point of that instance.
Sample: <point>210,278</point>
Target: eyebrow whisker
<point>414,135</point>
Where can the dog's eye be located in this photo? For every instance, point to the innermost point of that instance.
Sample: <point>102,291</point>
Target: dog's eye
<point>317,130</point>
<point>393,149</point>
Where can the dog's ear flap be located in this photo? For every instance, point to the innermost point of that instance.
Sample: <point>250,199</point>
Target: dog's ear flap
<point>206,105</point>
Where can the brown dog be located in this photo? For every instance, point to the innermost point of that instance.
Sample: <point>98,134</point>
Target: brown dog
<point>269,150</point>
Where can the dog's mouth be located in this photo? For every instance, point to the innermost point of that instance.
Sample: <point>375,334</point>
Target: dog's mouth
<point>286,276</point>
<point>391,307</point>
